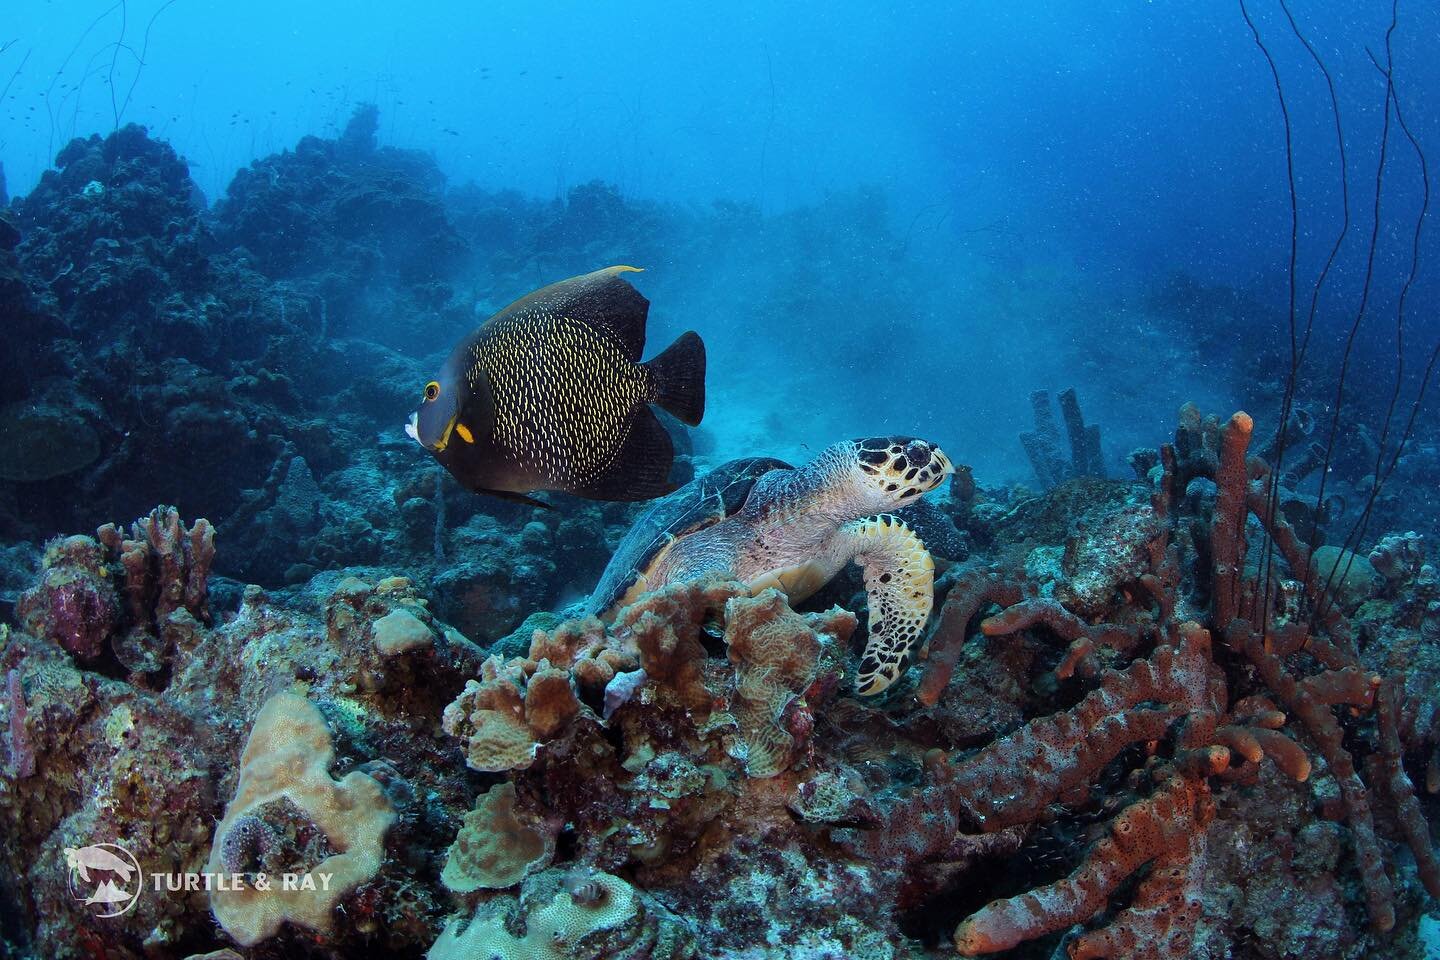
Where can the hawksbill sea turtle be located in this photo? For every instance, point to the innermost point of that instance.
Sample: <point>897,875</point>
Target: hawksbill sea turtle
<point>768,524</point>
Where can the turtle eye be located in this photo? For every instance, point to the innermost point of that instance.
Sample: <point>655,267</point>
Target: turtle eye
<point>432,390</point>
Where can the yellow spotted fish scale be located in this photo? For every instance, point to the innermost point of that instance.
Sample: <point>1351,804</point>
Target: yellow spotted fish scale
<point>571,421</point>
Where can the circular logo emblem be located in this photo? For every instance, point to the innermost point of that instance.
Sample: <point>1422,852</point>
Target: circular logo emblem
<point>104,877</point>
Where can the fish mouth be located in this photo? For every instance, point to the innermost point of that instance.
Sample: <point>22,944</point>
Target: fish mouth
<point>412,430</point>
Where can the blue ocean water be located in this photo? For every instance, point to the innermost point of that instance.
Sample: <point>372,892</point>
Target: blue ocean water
<point>1011,187</point>
<point>238,242</point>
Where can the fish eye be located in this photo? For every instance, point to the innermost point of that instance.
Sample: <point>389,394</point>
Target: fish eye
<point>432,390</point>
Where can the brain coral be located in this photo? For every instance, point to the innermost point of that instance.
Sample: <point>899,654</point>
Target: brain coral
<point>574,918</point>
<point>286,762</point>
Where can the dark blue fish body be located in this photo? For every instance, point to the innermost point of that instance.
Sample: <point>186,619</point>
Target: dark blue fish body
<point>550,394</point>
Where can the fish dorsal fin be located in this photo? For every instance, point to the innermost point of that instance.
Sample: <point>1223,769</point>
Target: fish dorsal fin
<point>602,299</point>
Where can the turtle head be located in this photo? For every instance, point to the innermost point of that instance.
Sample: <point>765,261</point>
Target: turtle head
<point>894,471</point>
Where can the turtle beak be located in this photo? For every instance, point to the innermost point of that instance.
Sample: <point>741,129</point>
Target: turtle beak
<point>942,464</point>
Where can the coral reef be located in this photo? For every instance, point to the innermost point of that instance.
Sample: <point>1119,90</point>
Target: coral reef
<point>1133,733</point>
<point>1200,731</point>
<point>347,205</point>
<point>114,232</point>
<point>1118,741</point>
<point>145,759</point>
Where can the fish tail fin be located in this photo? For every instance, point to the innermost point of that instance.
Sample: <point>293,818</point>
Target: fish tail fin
<point>679,374</point>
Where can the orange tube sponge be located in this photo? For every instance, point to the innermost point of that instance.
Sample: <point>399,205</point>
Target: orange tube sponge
<point>1307,701</point>
<point>1402,791</point>
<point>971,592</point>
<point>1013,779</point>
<point>1162,828</point>
<point>1227,531</point>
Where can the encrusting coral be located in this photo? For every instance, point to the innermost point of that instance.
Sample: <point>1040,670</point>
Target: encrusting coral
<point>497,847</point>
<point>285,776</point>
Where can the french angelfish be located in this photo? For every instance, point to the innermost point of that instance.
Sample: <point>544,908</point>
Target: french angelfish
<point>550,394</point>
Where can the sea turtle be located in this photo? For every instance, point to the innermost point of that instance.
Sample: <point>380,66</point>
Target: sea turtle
<point>768,524</point>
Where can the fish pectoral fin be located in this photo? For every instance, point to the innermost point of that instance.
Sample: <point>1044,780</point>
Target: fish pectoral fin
<point>464,432</point>
<point>515,498</point>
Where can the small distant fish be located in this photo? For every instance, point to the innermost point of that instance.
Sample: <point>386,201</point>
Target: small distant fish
<point>550,394</point>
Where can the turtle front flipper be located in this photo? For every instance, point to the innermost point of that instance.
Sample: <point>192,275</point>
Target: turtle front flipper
<point>900,584</point>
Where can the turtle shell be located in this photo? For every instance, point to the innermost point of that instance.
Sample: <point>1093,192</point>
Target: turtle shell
<point>702,502</point>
